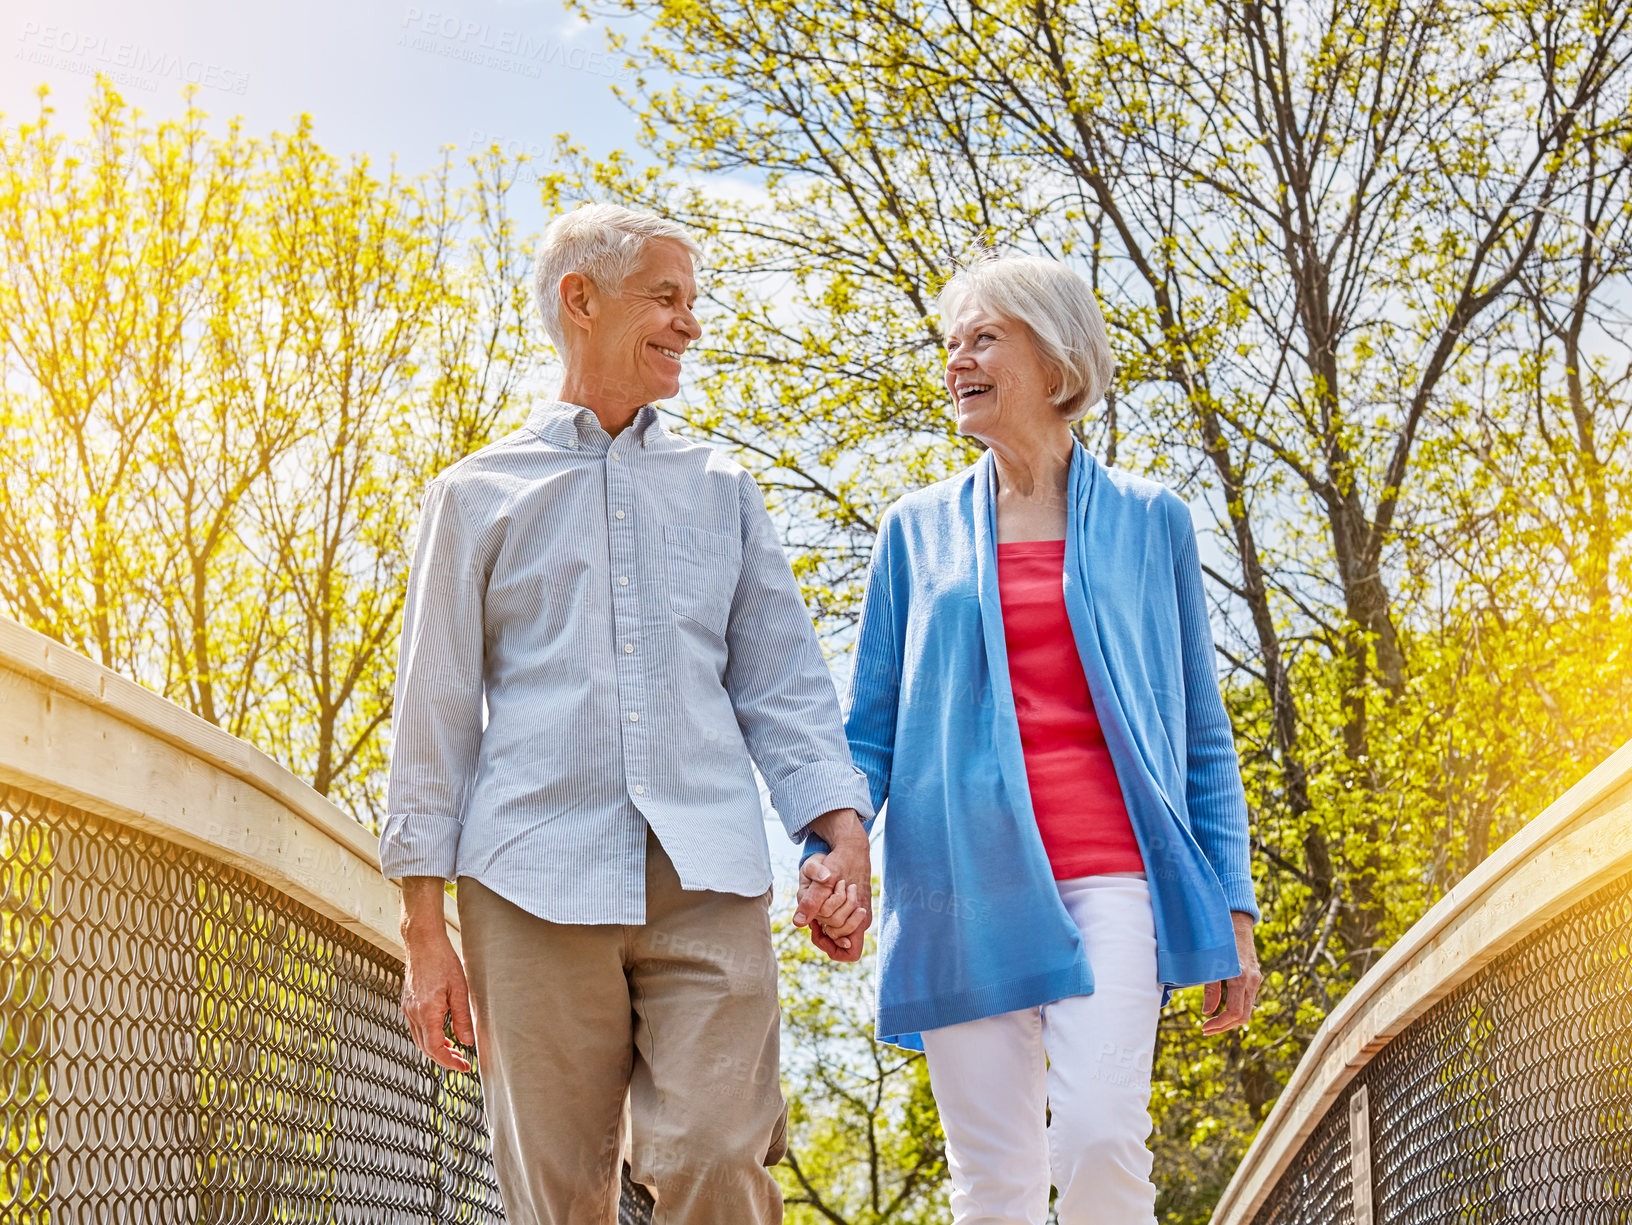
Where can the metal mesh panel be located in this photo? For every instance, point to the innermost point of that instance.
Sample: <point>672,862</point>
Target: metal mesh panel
<point>1508,1101</point>
<point>183,1043</point>
<point>1315,1190</point>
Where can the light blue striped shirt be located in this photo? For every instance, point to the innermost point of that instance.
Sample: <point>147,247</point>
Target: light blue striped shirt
<point>625,609</point>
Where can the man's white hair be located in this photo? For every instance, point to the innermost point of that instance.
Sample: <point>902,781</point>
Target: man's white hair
<point>1055,305</point>
<point>602,242</point>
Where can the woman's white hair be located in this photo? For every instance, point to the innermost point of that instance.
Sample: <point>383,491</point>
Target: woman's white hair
<point>601,242</point>
<point>1055,305</point>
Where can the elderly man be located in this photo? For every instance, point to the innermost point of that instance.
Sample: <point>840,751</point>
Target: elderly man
<point>615,597</point>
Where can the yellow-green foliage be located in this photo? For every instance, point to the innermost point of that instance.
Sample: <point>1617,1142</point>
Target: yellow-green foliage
<point>1365,269</point>
<point>864,1141</point>
<point>229,367</point>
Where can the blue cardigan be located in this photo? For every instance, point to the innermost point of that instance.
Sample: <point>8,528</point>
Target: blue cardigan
<point>971,924</point>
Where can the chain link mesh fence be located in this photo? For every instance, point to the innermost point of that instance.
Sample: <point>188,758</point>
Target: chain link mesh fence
<point>184,1043</point>
<point>1508,1101</point>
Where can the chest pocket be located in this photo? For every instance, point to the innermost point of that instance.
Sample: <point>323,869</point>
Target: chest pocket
<point>702,571</point>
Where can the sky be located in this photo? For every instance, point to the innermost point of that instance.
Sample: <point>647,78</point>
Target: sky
<point>377,76</point>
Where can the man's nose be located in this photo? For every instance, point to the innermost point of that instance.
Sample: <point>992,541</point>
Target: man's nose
<point>688,326</point>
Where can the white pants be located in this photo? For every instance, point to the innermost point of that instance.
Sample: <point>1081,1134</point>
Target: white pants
<point>1060,1093</point>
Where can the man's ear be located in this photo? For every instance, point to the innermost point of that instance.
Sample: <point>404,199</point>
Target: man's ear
<point>578,303</point>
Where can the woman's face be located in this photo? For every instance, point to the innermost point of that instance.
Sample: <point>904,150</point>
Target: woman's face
<point>998,380</point>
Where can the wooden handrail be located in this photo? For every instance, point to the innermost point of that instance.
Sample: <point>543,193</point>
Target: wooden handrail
<point>74,731</point>
<point>1580,843</point>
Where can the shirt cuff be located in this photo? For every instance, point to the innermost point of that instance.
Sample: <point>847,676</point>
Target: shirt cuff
<point>1239,894</point>
<point>419,844</point>
<point>819,788</point>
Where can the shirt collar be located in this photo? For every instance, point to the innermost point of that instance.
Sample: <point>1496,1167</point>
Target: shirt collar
<point>574,426</point>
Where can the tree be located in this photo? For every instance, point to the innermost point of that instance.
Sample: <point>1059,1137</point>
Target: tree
<point>1365,268</point>
<point>1343,251</point>
<point>864,1140</point>
<point>229,368</point>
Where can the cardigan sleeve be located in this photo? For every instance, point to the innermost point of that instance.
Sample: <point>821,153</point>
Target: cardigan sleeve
<point>875,682</point>
<point>1214,796</point>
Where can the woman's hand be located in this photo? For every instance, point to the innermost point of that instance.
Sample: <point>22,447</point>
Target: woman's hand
<point>1236,995</point>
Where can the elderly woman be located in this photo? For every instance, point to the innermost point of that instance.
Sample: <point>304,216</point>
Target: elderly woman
<point>1034,694</point>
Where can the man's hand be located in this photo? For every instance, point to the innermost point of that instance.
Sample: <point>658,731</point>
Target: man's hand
<point>836,889</point>
<point>433,980</point>
<point>1236,995</point>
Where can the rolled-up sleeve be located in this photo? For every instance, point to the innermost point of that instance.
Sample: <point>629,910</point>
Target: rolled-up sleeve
<point>780,687</point>
<point>1213,793</point>
<point>437,712</point>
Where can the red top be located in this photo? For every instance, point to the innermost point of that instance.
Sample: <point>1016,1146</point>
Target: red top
<point>1074,791</point>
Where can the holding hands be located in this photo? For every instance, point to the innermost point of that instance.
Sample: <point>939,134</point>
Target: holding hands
<point>836,888</point>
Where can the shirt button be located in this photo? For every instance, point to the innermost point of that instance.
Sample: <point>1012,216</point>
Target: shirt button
<point>634,716</point>
<point>619,515</point>
<point>623,580</point>
<point>616,457</point>
<point>640,789</point>
<point>628,648</point>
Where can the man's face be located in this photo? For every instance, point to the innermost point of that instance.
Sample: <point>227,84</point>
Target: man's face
<point>636,335</point>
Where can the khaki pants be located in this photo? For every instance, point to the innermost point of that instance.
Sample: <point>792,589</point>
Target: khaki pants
<point>680,1011</point>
